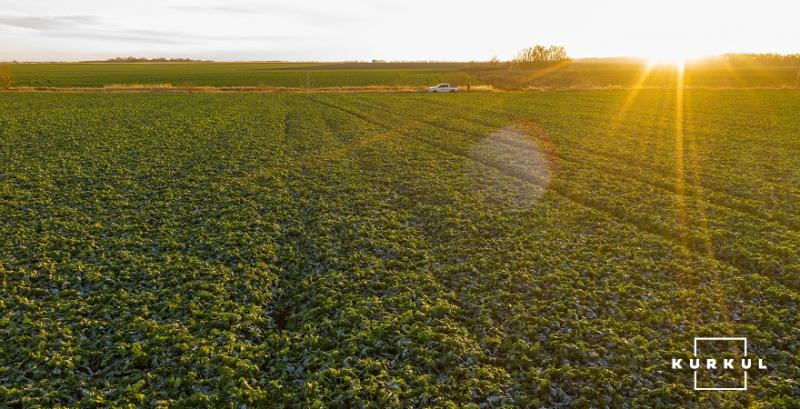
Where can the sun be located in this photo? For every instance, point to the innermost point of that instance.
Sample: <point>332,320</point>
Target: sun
<point>675,56</point>
<point>671,59</point>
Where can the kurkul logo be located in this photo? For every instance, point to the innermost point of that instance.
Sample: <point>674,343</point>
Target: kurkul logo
<point>712,357</point>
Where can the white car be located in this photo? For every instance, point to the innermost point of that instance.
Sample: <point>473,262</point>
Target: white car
<point>443,88</point>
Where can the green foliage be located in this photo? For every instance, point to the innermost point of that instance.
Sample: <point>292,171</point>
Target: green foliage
<point>233,74</point>
<point>570,74</point>
<point>539,54</point>
<point>324,250</point>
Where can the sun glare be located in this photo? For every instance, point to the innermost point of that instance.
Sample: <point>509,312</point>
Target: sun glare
<point>676,57</point>
<point>678,61</point>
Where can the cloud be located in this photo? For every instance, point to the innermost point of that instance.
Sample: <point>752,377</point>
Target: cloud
<point>93,27</point>
<point>45,23</point>
<point>311,16</point>
<point>162,37</point>
<point>135,36</point>
<point>217,8</point>
<point>85,27</point>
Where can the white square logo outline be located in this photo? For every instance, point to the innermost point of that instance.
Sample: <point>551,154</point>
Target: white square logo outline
<point>694,352</point>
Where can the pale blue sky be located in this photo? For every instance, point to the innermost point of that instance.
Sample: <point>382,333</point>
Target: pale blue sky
<point>392,30</point>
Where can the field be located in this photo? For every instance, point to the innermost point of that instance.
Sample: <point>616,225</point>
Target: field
<point>308,250</point>
<point>234,74</point>
<point>579,74</point>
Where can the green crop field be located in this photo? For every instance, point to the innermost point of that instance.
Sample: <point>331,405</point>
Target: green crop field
<point>577,74</point>
<point>234,74</point>
<point>519,249</point>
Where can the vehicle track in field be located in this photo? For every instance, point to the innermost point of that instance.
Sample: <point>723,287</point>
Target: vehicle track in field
<point>609,155</point>
<point>697,248</point>
<point>499,325</point>
<point>792,224</point>
<point>313,209</point>
<point>308,209</point>
<point>751,209</point>
<point>522,177</point>
<point>716,281</point>
<point>756,223</point>
<point>771,247</point>
<point>479,330</point>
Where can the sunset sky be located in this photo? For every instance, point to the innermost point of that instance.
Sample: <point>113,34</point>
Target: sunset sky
<point>391,30</point>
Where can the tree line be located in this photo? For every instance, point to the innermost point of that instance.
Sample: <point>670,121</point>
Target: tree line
<point>762,59</point>
<point>137,59</point>
<point>539,54</point>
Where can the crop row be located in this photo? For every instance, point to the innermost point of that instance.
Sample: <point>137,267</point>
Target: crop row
<point>743,240</point>
<point>527,263</point>
<point>353,250</point>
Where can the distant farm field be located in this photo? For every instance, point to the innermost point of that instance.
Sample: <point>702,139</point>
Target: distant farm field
<point>578,74</point>
<point>232,74</point>
<point>306,250</point>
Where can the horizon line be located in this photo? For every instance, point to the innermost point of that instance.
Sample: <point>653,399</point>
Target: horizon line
<point>366,61</point>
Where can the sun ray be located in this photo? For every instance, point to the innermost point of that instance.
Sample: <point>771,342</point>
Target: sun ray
<point>616,123</point>
<point>731,70</point>
<point>545,71</point>
<point>688,165</point>
<point>634,92</point>
<point>680,188</point>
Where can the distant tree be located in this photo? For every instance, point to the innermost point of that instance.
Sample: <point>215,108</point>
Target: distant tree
<point>771,59</point>
<point>539,54</point>
<point>5,76</point>
<point>136,59</point>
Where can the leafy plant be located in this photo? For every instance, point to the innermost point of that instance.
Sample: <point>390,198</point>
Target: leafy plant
<point>385,250</point>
